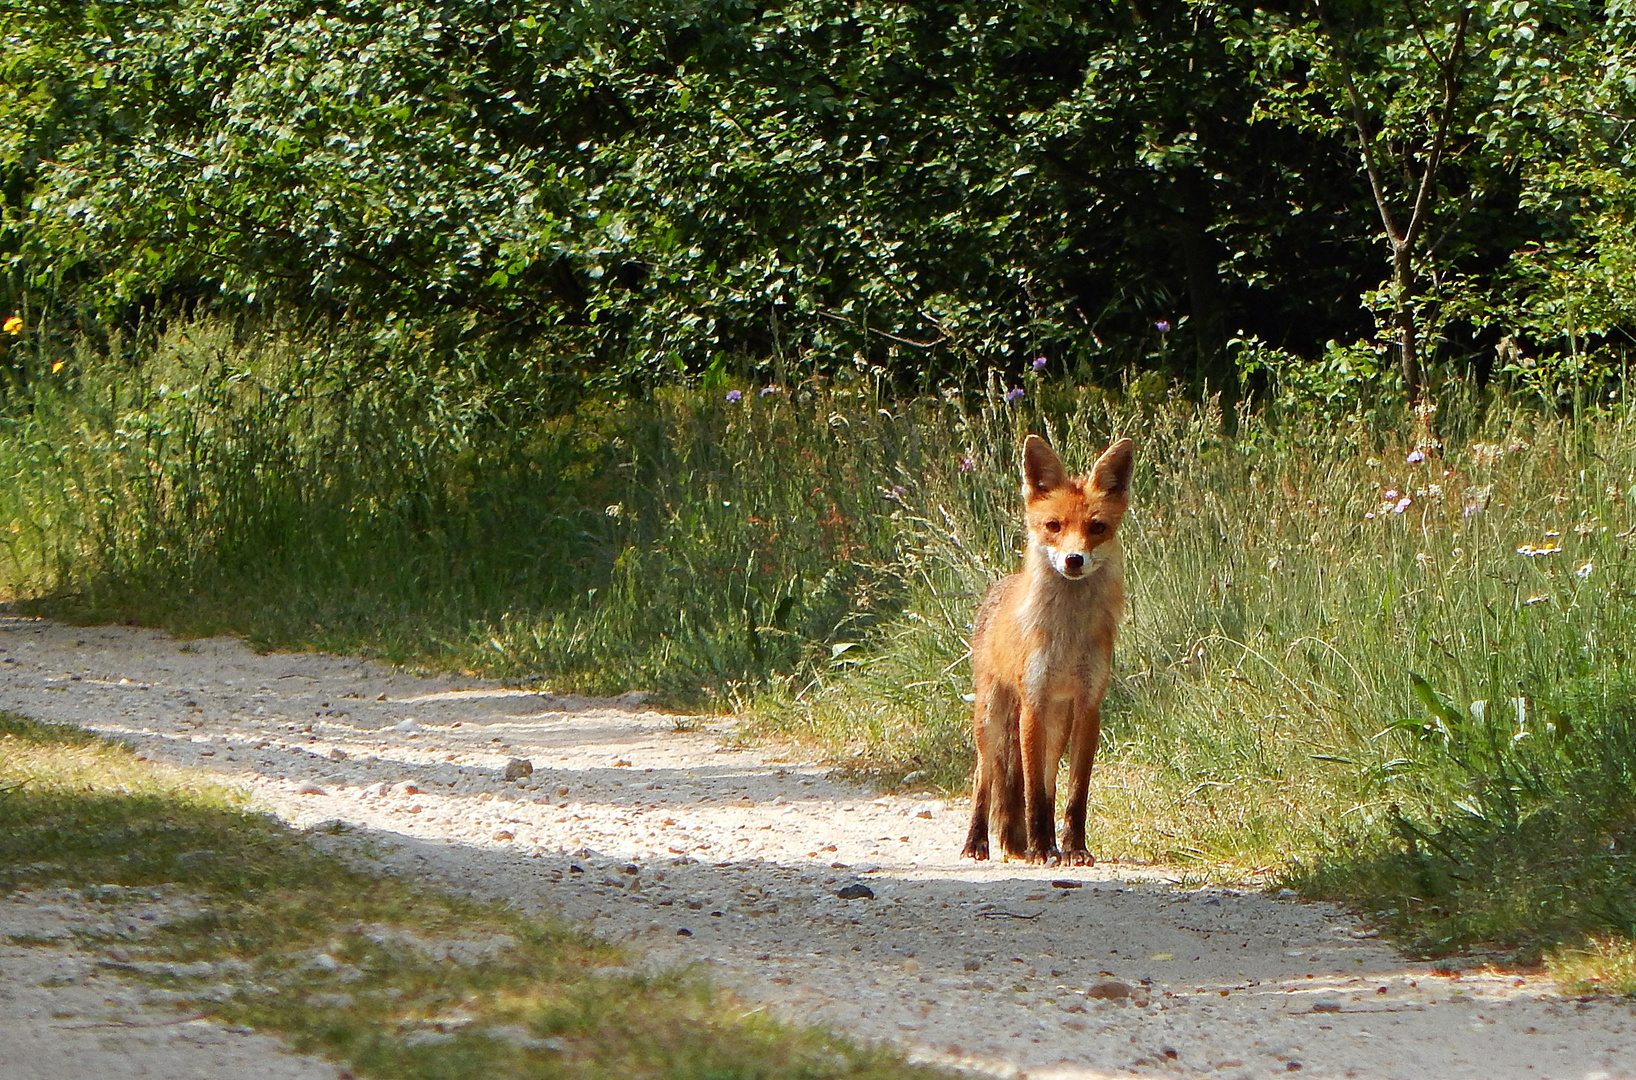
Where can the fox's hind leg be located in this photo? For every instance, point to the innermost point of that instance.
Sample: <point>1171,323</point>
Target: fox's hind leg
<point>977,839</point>
<point>989,738</point>
<point>997,790</point>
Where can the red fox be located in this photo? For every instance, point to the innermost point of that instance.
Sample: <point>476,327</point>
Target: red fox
<point>1041,653</point>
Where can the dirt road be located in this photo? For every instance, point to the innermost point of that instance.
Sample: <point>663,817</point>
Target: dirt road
<point>812,895</point>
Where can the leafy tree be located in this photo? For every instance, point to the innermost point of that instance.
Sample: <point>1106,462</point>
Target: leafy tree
<point>649,184</point>
<point>1440,101</point>
<point>1569,290</point>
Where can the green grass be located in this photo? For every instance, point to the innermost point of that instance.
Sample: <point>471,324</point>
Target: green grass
<point>76,810</point>
<point>1379,701</point>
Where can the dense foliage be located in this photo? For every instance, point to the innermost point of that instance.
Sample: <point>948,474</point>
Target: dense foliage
<point>639,185</point>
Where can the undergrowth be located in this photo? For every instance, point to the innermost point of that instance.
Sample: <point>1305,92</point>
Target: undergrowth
<point>1370,660</point>
<point>287,939</point>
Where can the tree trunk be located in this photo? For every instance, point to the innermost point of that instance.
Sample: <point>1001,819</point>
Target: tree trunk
<point>1408,344</point>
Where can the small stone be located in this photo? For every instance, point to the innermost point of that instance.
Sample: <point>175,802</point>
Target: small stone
<point>337,754</point>
<point>504,834</point>
<point>1108,990</point>
<point>427,1038</point>
<point>682,931</point>
<point>408,727</point>
<point>310,789</point>
<point>856,891</point>
<point>1063,883</point>
<point>517,768</point>
<point>1326,1006</point>
<point>927,814</point>
<point>518,1035</point>
<point>1292,1066</point>
<point>330,1001</point>
<point>973,965</point>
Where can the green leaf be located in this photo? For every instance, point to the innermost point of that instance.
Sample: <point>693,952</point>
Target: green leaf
<point>1448,718</point>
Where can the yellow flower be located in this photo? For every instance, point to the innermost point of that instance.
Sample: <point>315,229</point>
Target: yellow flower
<point>57,366</point>
<point>14,325</point>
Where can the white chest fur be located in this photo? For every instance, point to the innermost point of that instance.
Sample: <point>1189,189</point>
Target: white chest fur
<point>1066,626</point>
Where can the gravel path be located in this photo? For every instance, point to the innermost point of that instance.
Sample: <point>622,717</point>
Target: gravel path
<point>65,1014</point>
<point>649,829</point>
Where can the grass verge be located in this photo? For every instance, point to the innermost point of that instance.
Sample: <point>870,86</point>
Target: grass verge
<point>358,968</point>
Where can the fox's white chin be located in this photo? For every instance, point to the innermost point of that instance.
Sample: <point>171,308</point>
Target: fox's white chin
<point>1059,562</point>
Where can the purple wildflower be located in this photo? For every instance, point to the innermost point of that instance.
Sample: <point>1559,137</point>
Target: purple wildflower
<point>1416,457</point>
<point>967,464</point>
<point>765,390</point>
<point>734,397</point>
<point>1163,326</point>
<point>1013,395</point>
<point>1039,363</point>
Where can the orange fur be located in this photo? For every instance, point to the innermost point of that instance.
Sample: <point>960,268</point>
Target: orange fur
<point>1041,654</point>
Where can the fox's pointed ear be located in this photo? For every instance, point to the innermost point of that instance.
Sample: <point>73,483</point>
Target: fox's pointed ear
<point>1042,470</point>
<point>1111,473</point>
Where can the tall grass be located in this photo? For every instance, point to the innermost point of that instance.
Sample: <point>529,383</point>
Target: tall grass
<point>1383,666</point>
<point>432,512</point>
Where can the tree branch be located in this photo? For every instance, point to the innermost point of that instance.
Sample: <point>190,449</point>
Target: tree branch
<point>1360,120</point>
<point>1451,94</point>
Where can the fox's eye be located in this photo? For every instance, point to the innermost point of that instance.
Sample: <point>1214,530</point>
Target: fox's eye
<point>1053,526</point>
<point>1098,528</point>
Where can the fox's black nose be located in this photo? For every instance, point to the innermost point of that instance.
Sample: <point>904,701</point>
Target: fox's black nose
<point>1075,562</point>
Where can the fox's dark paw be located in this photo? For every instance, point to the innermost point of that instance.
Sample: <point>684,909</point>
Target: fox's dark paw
<point>1080,857</point>
<point>1049,856</point>
<point>975,851</point>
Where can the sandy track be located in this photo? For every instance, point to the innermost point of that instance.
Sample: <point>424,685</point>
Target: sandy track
<point>656,834</point>
<point>65,1014</point>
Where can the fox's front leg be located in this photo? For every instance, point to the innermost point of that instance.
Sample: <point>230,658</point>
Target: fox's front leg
<point>1085,734</point>
<point>1042,833</point>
